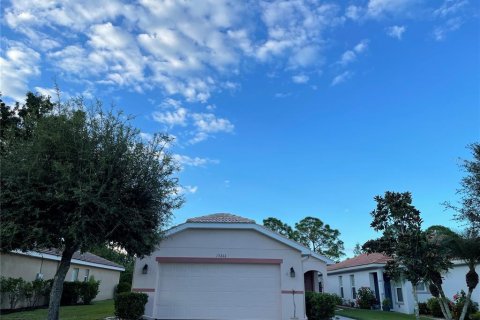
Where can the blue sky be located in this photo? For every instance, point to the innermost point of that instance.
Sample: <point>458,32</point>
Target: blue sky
<point>279,108</point>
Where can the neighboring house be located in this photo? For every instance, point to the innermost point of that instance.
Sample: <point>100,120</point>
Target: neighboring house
<point>367,270</point>
<point>223,266</point>
<point>43,264</point>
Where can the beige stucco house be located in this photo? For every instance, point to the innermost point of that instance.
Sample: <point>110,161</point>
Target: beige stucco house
<point>43,263</point>
<point>223,266</point>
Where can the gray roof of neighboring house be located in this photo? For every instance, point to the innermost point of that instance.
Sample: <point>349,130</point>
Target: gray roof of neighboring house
<point>85,256</point>
<point>220,218</point>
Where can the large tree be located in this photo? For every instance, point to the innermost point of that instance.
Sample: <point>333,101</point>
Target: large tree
<point>469,208</point>
<point>402,238</point>
<point>74,178</point>
<point>312,233</point>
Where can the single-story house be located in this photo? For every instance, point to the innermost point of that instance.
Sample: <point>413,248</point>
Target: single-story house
<point>223,266</point>
<point>367,270</point>
<point>43,264</point>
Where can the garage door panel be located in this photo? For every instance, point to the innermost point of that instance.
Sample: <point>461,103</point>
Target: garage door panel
<point>218,291</point>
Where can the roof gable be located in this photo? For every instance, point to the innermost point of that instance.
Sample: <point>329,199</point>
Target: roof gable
<point>230,221</point>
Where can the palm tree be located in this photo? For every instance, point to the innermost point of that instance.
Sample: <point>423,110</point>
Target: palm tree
<point>466,247</point>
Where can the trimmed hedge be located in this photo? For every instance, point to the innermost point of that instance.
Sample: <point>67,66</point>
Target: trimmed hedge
<point>130,305</point>
<point>123,287</point>
<point>75,291</point>
<point>320,306</point>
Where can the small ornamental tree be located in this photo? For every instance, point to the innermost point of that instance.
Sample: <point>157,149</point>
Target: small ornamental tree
<point>74,179</point>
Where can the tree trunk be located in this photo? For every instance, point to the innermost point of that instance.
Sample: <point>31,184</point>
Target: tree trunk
<point>57,286</point>
<point>444,304</point>
<point>467,304</point>
<point>415,299</point>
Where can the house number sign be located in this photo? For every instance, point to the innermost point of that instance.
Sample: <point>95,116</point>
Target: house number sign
<point>221,255</point>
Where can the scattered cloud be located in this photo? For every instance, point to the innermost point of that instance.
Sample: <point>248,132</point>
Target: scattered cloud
<point>351,55</point>
<point>344,76</point>
<point>171,118</point>
<point>184,160</point>
<point>18,64</point>
<point>282,94</point>
<point>396,31</point>
<point>300,78</point>
<point>181,48</point>
<point>380,8</point>
<point>452,24</point>
<point>450,7</point>
<point>187,189</point>
<point>146,136</point>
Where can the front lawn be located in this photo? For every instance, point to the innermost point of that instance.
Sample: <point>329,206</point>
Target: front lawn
<point>361,314</point>
<point>96,311</point>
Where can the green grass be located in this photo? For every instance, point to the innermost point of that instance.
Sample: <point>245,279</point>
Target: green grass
<point>96,311</point>
<point>360,314</point>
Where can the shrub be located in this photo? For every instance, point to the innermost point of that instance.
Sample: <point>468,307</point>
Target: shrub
<point>71,293</point>
<point>458,302</point>
<point>475,316</point>
<point>130,305</point>
<point>422,308</point>
<point>338,300</point>
<point>123,287</point>
<point>434,307</point>
<point>13,288</point>
<point>365,298</point>
<point>89,290</point>
<point>320,305</point>
<point>41,288</point>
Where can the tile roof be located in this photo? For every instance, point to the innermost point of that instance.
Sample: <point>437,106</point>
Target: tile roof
<point>361,260</point>
<point>220,218</point>
<point>85,256</point>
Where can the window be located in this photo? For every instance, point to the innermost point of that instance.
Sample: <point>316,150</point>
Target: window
<point>421,287</point>
<point>87,275</point>
<point>399,294</point>
<point>75,274</point>
<point>340,282</point>
<point>352,284</point>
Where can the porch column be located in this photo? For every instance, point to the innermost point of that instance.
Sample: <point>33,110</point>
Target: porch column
<point>381,287</point>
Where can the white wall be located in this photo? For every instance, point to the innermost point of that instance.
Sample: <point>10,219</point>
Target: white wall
<point>232,243</point>
<point>453,282</point>
<point>362,279</point>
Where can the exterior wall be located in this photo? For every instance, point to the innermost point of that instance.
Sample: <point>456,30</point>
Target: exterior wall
<point>26,267</point>
<point>453,282</point>
<point>227,243</point>
<point>362,279</point>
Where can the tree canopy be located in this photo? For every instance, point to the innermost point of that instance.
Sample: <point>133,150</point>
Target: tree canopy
<point>312,233</point>
<point>73,178</point>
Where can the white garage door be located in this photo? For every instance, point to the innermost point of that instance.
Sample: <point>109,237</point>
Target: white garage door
<point>218,291</point>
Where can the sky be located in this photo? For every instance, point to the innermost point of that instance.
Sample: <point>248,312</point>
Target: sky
<point>281,109</point>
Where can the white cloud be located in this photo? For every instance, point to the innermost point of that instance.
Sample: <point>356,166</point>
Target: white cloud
<point>450,7</point>
<point>379,8</point>
<point>354,12</point>
<point>184,160</point>
<point>282,94</point>
<point>347,57</point>
<point>440,32</point>
<point>300,78</point>
<point>187,189</point>
<point>351,55</point>
<point>171,118</point>
<point>209,123</point>
<point>18,63</point>
<point>146,136</point>
<point>396,31</point>
<point>344,76</point>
